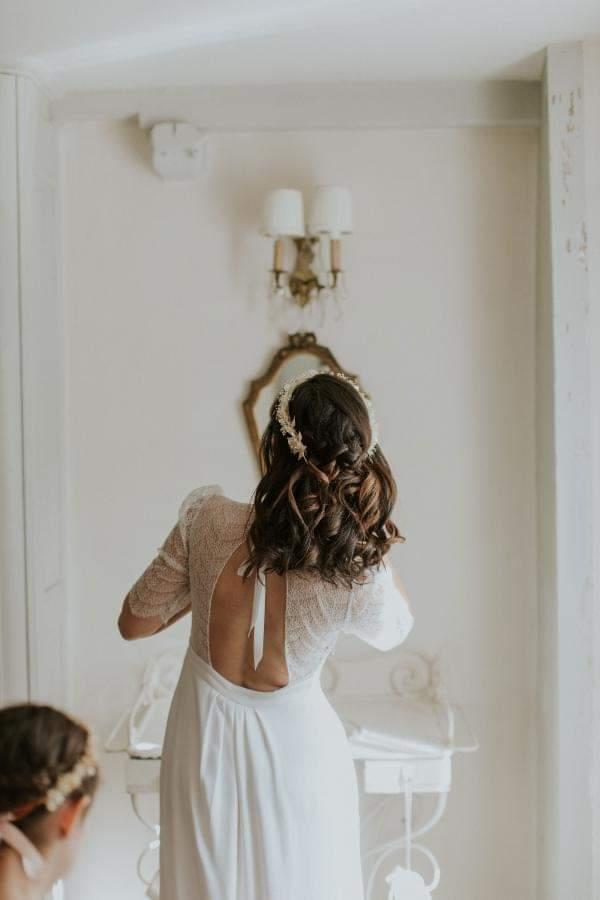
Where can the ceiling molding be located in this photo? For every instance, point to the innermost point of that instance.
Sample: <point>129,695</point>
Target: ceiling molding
<point>36,77</point>
<point>296,107</point>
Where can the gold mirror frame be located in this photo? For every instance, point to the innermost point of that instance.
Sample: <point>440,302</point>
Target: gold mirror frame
<point>298,344</point>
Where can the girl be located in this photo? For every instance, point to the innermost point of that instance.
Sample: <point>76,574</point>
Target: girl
<point>48,776</point>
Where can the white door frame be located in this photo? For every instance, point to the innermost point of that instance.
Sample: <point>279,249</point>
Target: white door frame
<point>591,75</point>
<point>568,399</point>
<point>14,652</point>
<point>33,613</point>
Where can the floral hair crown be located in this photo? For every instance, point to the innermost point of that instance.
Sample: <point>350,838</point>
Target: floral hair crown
<point>85,767</point>
<point>288,425</point>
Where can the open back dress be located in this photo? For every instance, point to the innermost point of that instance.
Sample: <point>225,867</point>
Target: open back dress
<point>258,792</point>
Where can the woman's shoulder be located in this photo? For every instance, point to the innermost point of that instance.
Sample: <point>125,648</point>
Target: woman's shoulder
<point>214,503</point>
<point>375,580</point>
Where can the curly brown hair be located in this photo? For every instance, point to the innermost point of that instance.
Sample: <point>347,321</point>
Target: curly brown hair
<point>330,513</point>
<point>38,744</point>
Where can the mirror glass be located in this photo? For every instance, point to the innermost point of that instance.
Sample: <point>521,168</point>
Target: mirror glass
<point>302,352</point>
<point>292,366</point>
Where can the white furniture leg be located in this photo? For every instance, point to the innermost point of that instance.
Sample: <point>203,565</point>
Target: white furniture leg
<point>384,851</point>
<point>150,847</point>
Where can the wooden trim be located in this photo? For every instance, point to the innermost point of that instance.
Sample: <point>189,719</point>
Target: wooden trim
<point>33,609</point>
<point>565,496</point>
<point>39,79</point>
<point>42,378</point>
<point>14,653</point>
<point>591,88</point>
<point>355,106</point>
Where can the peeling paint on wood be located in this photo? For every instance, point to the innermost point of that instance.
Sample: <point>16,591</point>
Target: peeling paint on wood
<point>583,245</point>
<point>566,168</point>
<point>566,851</point>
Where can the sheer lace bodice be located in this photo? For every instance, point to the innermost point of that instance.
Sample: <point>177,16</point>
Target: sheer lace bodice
<point>209,529</point>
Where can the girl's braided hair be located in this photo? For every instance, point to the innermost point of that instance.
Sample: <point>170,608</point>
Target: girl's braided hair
<point>38,744</point>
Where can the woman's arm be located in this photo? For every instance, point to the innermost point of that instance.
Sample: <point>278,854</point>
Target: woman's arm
<point>378,609</point>
<point>161,595</point>
<point>132,627</point>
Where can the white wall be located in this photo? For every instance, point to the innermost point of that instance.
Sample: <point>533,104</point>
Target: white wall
<point>165,325</point>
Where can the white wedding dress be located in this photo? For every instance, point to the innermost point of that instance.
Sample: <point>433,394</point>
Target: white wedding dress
<point>258,788</point>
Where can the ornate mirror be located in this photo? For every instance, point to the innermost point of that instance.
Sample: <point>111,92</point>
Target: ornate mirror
<point>302,352</point>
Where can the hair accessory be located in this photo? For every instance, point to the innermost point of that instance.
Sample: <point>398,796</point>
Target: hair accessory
<point>68,782</point>
<point>288,425</point>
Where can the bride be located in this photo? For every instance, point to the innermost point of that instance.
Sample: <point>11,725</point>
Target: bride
<point>259,798</point>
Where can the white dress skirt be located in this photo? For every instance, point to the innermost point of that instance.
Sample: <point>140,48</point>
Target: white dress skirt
<point>259,797</point>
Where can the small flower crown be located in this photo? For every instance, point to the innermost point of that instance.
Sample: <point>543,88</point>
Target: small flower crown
<point>288,425</point>
<point>85,767</point>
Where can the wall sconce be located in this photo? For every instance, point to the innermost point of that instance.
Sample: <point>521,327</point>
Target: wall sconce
<point>330,217</point>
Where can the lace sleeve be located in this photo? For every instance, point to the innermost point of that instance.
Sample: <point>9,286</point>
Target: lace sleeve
<point>378,612</point>
<point>163,588</point>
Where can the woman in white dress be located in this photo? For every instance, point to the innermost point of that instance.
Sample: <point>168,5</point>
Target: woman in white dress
<point>259,797</point>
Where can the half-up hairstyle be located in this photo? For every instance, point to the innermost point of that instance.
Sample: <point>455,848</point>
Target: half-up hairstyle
<point>330,513</point>
<point>40,747</point>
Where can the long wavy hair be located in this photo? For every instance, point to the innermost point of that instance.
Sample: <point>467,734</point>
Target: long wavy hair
<point>328,514</point>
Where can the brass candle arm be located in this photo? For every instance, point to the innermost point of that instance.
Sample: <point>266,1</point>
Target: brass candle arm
<point>303,282</point>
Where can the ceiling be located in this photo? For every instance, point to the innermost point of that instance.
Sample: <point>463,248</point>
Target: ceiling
<point>127,44</point>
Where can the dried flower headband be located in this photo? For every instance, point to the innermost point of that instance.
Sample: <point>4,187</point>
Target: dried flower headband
<point>288,425</point>
<point>85,767</point>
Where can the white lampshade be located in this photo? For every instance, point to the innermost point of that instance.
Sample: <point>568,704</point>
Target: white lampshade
<point>331,211</point>
<point>283,213</point>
